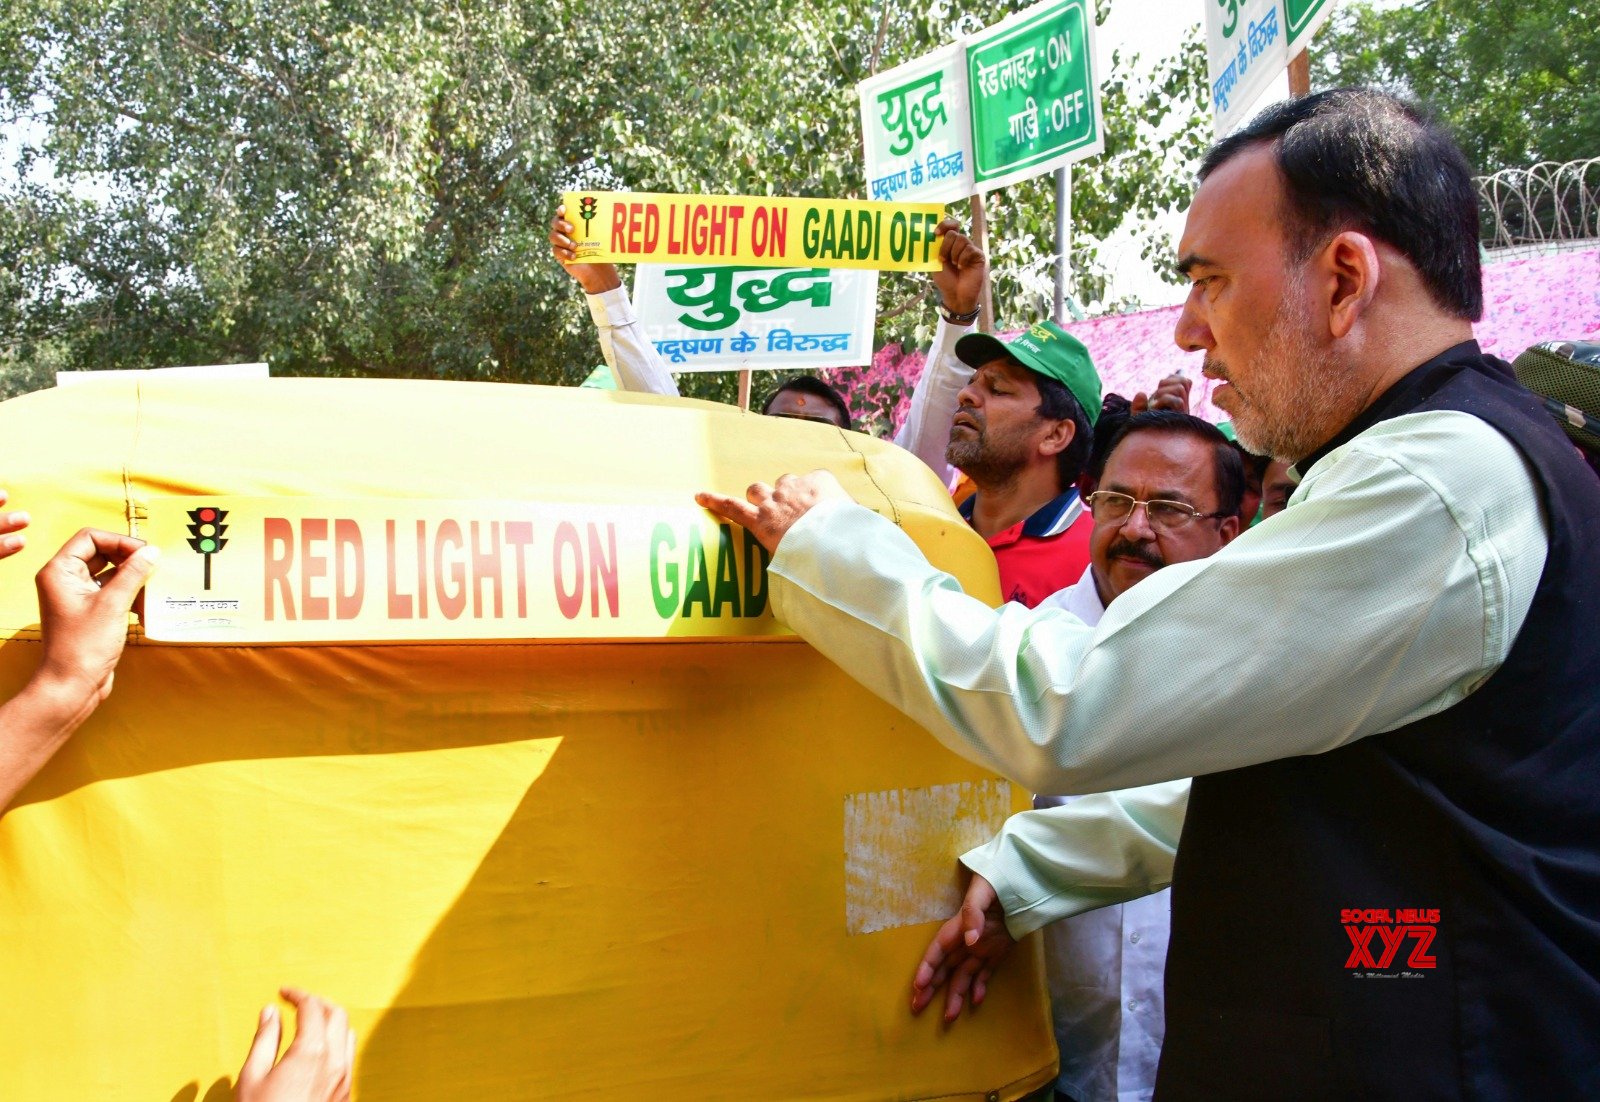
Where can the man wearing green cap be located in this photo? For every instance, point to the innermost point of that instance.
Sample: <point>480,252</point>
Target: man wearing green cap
<point>1021,433</point>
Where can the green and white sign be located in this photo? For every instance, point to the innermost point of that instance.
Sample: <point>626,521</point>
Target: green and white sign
<point>1303,18</point>
<point>722,317</point>
<point>1247,51</point>
<point>916,125</point>
<point>1015,100</point>
<point>1035,93</point>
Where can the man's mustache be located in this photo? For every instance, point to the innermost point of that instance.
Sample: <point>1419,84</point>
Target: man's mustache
<point>1123,549</point>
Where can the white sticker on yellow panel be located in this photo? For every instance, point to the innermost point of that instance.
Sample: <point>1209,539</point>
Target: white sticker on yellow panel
<point>901,849</point>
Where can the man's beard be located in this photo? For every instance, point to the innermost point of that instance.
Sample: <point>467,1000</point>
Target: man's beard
<point>986,460</point>
<point>1299,395</point>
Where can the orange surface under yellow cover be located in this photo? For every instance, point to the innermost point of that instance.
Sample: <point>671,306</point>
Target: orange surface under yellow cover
<point>663,868</point>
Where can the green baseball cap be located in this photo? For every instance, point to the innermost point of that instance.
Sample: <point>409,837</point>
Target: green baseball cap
<point>1044,347</point>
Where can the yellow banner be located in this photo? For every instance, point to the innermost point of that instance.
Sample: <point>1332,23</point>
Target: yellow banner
<point>290,570</point>
<point>640,227</point>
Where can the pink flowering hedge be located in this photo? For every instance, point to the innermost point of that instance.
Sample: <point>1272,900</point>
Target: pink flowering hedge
<point>1526,301</point>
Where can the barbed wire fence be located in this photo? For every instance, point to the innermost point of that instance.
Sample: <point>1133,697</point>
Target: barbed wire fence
<point>1547,207</point>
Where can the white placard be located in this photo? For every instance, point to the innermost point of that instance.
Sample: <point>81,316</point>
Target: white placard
<point>1246,48</point>
<point>917,131</point>
<point>725,317</point>
<point>196,371</point>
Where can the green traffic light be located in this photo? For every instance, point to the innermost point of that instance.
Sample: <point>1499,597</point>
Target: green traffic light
<point>207,546</point>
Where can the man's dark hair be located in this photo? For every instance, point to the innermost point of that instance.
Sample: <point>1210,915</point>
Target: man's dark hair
<point>1114,410</point>
<point>1057,403</point>
<point>809,384</point>
<point>1227,468</point>
<point>1360,159</point>
<point>1255,466</point>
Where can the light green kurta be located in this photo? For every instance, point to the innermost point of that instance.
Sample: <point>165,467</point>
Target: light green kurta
<point>1393,585</point>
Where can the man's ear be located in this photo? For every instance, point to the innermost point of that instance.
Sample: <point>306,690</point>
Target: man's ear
<point>1058,438</point>
<point>1229,529</point>
<point>1351,272</point>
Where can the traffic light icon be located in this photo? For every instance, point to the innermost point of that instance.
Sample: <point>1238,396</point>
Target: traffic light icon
<point>206,528</point>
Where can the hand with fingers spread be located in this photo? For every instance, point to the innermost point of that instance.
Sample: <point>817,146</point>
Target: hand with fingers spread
<point>1171,393</point>
<point>10,524</point>
<point>85,594</point>
<point>593,278</point>
<point>319,1063</point>
<point>964,953</point>
<point>963,272</point>
<point>770,511</point>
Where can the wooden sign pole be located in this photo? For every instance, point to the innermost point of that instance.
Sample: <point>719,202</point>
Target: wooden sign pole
<point>980,234</point>
<point>1300,73</point>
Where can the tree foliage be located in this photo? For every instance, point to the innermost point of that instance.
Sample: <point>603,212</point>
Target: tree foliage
<point>1517,81</point>
<point>363,188</point>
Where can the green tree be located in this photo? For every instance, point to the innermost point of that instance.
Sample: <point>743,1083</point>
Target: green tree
<point>1517,81</point>
<point>363,188</point>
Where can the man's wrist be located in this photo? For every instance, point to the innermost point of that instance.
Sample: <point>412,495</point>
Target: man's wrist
<point>53,701</point>
<point>597,285</point>
<point>957,316</point>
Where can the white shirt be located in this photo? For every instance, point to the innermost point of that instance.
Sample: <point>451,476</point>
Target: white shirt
<point>1105,967</point>
<point>1081,598</point>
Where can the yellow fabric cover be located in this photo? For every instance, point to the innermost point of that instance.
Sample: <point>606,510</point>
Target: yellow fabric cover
<point>566,869</point>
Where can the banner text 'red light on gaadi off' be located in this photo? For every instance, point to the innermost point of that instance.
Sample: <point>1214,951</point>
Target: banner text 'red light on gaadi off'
<point>640,227</point>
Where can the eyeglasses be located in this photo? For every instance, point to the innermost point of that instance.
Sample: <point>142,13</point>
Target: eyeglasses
<point>1114,508</point>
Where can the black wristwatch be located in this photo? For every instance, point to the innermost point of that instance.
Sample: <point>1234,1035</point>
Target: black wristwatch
<point>960,319</point>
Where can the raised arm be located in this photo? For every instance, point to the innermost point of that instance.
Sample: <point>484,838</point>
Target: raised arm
<point>85,594</point>
<point>959,283</point>
<point>632,357</point>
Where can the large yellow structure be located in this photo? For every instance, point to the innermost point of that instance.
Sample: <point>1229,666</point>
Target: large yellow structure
<point>592,826</point>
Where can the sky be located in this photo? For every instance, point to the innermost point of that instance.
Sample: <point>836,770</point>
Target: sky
<point>1153,29</point>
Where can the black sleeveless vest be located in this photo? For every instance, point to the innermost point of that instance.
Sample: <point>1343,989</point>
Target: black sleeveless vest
<point>1415,915</point>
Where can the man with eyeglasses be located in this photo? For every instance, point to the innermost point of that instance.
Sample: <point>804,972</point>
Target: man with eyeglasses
<point>1169,492</point>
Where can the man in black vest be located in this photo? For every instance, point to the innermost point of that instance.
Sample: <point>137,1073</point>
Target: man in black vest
<point>1388,882</point>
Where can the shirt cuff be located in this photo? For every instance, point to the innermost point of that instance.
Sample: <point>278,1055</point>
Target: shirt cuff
<point>945,336</point>
<point>611,308</point>
<point>1027,911</point>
